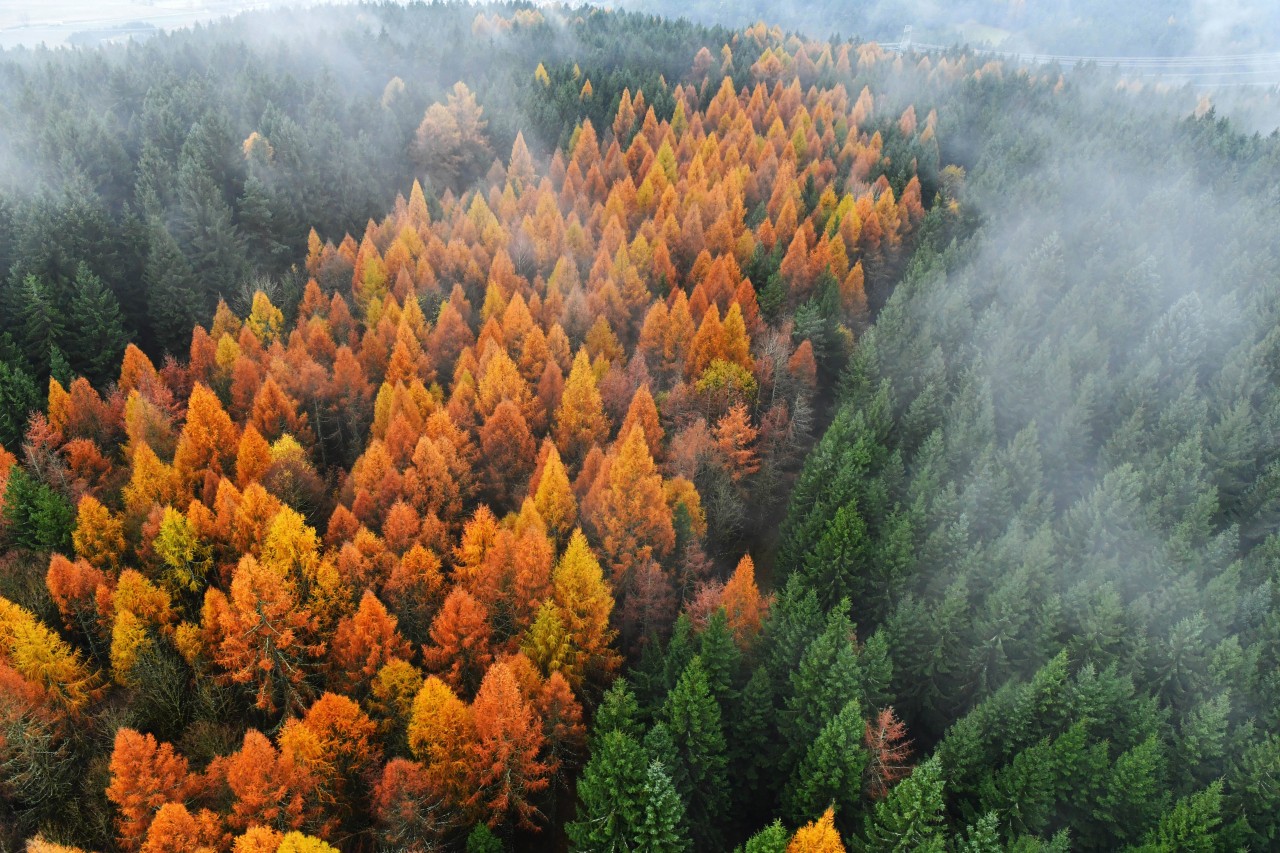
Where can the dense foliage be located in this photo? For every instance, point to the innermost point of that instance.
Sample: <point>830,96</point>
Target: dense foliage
<point>1081,27</point>
<point>140,184</point>
<point>535,417</point>
<point>497,521</point>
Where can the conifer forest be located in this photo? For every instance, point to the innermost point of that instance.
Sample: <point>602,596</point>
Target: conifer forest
<point>533,427</point>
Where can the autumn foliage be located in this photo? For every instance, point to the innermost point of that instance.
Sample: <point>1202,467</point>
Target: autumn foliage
<point>411,534</point>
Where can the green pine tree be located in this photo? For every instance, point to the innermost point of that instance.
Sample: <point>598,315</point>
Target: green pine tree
<point>910,818</point>
<point>693,716</point>
<point>662,828</point>
<point>831,772</point>
<point>98,335</point>
<point>610,796</point>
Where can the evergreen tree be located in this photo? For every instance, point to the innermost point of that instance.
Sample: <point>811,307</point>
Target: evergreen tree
<point>832,769</point>
<point>42,322</point>
<point>18,398</point>
<point>828,675</point>
<point>693,717</point>
<point>99,337</point>
<point>662,828</point>
<point>482,840</point>
<point>772,839</point>
<point>174,299</point>
<point>611,796</point>
<point>618,712</point>
<point>721,660</point>
<point>37,516</point>
<point>910,818</point>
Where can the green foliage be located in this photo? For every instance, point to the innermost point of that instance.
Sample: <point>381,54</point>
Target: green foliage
<point>618,712</point>
<point>772,839</point>
<point>482,840</point>
<point>36,516</point>
<point>662,828</point>
<point>832,769</point>
<point>693,718</point>
<point>100,336</point>
<point>1191,825</point>
<point>910,818</point>
<point>18,398</point>
<point>611,795</point>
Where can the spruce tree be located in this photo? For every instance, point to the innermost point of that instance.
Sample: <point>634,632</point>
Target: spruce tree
<point>827,676</point>
<point>18,398</point>
<point>831,772</point>
<point>910,818</point>
<point>610,796</point>
<point>42,323</point>
<point>721,660</point>
<point>662,828</point>
<point>693,716</point>
<point>174,300</point>
<point>772,839</point>
<point>99,335</point>
<point>618,712</point>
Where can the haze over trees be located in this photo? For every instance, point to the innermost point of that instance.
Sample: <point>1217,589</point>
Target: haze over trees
<point>587,431</point>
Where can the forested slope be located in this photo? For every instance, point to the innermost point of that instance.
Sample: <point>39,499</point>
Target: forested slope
<point>363,574</point>
<point>434,522</point>
<point>139,161</point>
<point>1051,484</point>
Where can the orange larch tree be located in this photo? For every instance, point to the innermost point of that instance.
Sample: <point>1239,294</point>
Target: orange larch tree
<point>144,776</point>
<point>507,772</point>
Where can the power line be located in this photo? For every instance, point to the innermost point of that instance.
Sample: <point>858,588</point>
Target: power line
<point>1207,70</point>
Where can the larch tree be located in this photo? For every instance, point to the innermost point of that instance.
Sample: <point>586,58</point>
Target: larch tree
<point>742,603</point>
<point>585,604</point>
<point>889,753</point>
<point>580,422</point>
<point>636,520</point>
<point>554,497</point>
<point>262,636</point>
<point>509,451</point>
<point>207,445</point>
<point>99,534</point>
<point>507,771</point>
<point>459,648</point>
<point>820,836</point>
<point>451,144</point>
<point>144,776</point>
<point>442,735</point>
<point>362,644</point>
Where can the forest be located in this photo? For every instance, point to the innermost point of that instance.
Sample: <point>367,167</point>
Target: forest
<point>452,428</point>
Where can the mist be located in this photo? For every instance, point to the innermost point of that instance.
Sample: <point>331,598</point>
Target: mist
<point>1039,539</point>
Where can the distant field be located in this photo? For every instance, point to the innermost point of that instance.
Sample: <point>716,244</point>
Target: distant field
<point>53,23</point>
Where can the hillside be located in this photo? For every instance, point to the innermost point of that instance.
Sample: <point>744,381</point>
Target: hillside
<point>650,437</point>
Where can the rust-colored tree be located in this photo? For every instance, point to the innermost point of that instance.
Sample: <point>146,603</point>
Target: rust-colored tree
<point>507,772</point>
<point>888,751</point>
